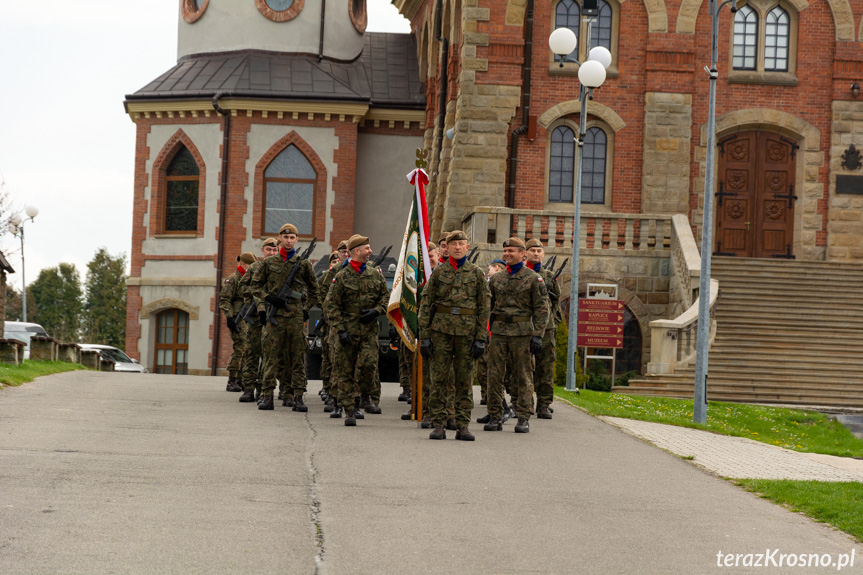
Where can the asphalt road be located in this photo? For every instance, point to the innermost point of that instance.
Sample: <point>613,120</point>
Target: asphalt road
<point>121,473</point>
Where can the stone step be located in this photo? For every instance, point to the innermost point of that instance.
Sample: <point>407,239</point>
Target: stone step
<point>746,328</point>
<point>729,385</point>
<point>816,398</point>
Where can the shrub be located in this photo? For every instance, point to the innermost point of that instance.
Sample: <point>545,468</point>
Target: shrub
<point>561,338</point>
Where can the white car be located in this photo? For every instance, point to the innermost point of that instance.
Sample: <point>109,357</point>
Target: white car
<point>23,331</point>
<point>122,362</point>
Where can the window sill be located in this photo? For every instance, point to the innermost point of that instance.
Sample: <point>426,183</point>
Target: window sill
<point>585,208</point>
<point>762,78</point>
<point>571,69</point>
<point>176,236</point>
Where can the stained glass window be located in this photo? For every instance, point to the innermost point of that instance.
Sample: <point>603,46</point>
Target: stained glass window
<point>181,194</point>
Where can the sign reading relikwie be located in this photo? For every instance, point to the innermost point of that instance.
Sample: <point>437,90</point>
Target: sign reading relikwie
<point>600,323</point>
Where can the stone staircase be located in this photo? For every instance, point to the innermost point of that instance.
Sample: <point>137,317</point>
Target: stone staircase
<point>787,332</point>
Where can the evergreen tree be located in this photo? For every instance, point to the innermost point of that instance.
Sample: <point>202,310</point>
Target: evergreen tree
<point>13,304</point>
<point>105,304</point>
<point>58,297</point>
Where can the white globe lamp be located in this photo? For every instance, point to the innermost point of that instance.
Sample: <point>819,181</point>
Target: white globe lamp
<point>600,54</point>
<point>562,42</point>
<point>591,74</point>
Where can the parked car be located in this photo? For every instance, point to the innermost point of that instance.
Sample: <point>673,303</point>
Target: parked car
<point>23,331</point>
<point>122,362</point>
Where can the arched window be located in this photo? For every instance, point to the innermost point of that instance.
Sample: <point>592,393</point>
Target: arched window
<point>745,39</point>
<point>172,342</point>
<point>561,169</point>
<point>593,172</point>
<point>359,17</point>
<point>280,10</point>
<point>567,14</point>
<point>763,44</point>
<point>181,193</point>
<point>290,184</point>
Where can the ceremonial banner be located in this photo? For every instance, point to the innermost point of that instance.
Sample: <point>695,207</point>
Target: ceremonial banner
<point>413,268</point>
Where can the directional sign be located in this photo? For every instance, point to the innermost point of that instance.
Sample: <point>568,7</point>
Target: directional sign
<point>590,316</point>
<point>601,329</point>
<point>600,304</point>
<point>602,341</point>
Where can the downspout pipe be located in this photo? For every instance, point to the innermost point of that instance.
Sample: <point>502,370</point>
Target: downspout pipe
<point>525,102</point>
<point>323,19</point>
<point>223,196</point>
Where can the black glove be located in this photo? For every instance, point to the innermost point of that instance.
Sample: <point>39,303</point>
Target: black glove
<point>345,338</point>
<point>535,345</point>
<point>275,302</point>
<point>232,325</point>
<point>305,315</point>
<point>368,315</point>
<point>262,316</point>
<point>477,349</point>
<point>426,348</point>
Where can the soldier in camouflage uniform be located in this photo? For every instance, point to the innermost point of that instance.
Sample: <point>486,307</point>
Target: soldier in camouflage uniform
<point>251,370</point>
<point>286,339</point>
<point>543,374</point>
<point>230,302</point>
<point>453,320</point>
<point>519,314</point>
<point>326,281</point>
<point>357,297</point>
<point>482,364</point>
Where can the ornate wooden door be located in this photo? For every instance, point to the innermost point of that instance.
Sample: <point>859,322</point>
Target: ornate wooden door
<point>755,196</point>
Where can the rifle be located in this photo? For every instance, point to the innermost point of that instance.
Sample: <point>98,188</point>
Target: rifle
<point>475,257</point>
<point>381,257</point>
<point>241,315</point>
<point>319,326</point>
<point>550,265</point>
<point>285,292</point>
<point>560,269</point>
<point>472,253</point>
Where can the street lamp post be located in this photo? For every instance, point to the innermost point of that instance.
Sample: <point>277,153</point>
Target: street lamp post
<point>17,221</point>
<point>699,399</point>
<point>591,74</point>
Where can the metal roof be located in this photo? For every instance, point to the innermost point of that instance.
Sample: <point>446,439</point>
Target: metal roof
<point>385,74</point>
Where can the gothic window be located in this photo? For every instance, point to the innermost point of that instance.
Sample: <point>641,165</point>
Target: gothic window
<point>280,10</point>
<point>290,184</point>
<point>763,43</point>
<point>181,193</point>
<point>776,41</point>
<point>593,171</point>
<point>562,157</point>
<point>603,28</point>
<point>745,38</point>
<point>561,169</point>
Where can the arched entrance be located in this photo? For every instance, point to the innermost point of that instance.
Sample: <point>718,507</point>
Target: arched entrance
<point>755,196</point>
<point>172,342</point>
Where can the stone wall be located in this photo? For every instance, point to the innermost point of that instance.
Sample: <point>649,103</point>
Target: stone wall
<point>845,214</point>
<point>667,137</point>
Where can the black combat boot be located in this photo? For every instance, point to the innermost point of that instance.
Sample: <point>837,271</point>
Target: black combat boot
<point>450,424</point>
<point>523,425</point>
<point>484,419</point>
<point>438,432</point>
<point>328,406</point>
<point>405,395</point>
<point>483,401</point>
<point>336,413</point>
<point>406,416</point>
<point>287,399</point>
<point>464,434</point>
<point>299,405</point>
<point>494,424</point>
<point>248,396</point>
<point>358,413</point>
<point>550,409</point>
<point>266,402</point>
<point>369,406</point>
<point>233,385</point>
<point>426,422</point>
<point>543,412</point>
<point>350,417</point>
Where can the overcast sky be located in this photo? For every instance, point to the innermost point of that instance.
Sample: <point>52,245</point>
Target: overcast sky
<point>67,146</point>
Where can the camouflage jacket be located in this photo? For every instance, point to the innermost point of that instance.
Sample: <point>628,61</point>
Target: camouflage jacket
<point>349,293</point>
<point>456,302</point>
<point>519,303</point>
<point>245,290</point>
<point>269,277</point>
<point>230,301</point>
<point>555,315</point>
<point>327,282</point>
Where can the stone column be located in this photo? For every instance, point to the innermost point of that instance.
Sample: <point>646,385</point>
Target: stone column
<point>667,144</point>
<point>845,213</point>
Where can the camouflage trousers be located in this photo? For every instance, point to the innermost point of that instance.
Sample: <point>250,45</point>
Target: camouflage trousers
<point>406,359</point>
<point>354,367</point>
<point>284,348</point>
<point>326,362</point>
<point>510,354</point>
<point>482,375</point>
<point>252,357</point>
<point>236,362</point>
<point>452,370</point>
<point>543,374</point>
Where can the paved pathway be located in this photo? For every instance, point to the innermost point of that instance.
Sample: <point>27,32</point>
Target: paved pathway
<point>741,458</point>
<point>126,473</point>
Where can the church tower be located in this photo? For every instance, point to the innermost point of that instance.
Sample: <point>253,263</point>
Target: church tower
<point>277,111</point>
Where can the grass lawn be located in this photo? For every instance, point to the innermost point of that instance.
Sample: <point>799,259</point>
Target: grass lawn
<point>807,431</point>
<point>28,371</point>
<point>839,504</point>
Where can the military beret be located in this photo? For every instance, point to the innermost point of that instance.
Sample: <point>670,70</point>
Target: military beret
<point>248,258</point>
<point>343,245</point>
<point>432,246</point>
<point>289,229</point>
<point>513,243</point>
<point>498,262</point>
<point>334,256</point>
<point>456,235</point>
<point>443,237</point>
<point>357,240</point>
<point>533,243</point>
<point>270,242</point>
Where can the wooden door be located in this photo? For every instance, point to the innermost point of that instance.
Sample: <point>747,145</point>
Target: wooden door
<point>755,196</point>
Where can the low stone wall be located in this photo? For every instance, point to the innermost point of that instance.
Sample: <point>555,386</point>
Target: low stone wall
<point>91,359</point>
<point>43,348</point>
<point>106,364</point>
<point>12,351</point>
<point>69,352</point>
